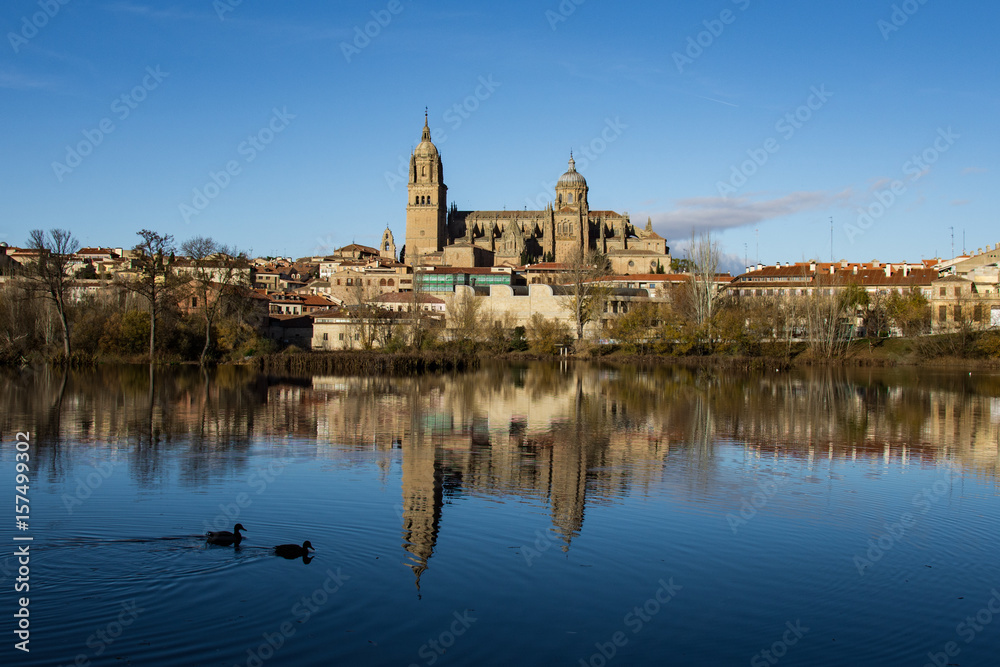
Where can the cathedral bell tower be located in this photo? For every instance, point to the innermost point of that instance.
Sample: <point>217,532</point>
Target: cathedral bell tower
<point>571,216</point>
<point>426,210</point>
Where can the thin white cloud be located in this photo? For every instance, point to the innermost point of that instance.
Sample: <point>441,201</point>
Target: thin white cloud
<point>974,170</point>
<point>719,213</point>
<point>11,79</point>
<point>171,14</point>
<point>297,32</point>
<point>960,202</point>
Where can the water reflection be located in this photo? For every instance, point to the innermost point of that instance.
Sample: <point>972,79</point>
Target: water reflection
<point>564,437</point>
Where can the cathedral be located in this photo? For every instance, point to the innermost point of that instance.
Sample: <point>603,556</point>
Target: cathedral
<point>437,235</point>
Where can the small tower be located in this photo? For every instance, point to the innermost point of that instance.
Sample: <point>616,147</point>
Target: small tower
<point>387,249</point>
<point>427,208</point>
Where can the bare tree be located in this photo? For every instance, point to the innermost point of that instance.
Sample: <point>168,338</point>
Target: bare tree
<point>152,260</point>
<point>465,319</point>
<point>587,295</point>
<point>704,254</point>
<point>50,273</point>
<point>370,324</point>
<point>215,270</point>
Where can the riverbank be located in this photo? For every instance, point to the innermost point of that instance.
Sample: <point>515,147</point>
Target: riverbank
<point>976,352</point>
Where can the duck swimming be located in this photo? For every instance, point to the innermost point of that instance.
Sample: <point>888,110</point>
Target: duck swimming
<point>293,550</point>
<point>225,538</point>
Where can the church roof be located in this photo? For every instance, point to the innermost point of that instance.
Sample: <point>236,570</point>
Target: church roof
<point>426,147</point>
<point>572,177</point>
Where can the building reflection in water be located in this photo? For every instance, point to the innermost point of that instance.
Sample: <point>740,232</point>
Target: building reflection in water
<point>560,437</point>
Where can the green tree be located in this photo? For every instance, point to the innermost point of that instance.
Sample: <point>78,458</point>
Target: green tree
<point>909,311</point>
<point>681,265</point>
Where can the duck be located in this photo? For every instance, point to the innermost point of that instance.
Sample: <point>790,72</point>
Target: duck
<point>291,551</point>
<point>225,538</point>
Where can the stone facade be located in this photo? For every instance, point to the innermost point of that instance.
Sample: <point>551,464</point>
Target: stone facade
<point>437,235</point>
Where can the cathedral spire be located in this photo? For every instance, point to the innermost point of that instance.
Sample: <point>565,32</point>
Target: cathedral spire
<point>427,130</point>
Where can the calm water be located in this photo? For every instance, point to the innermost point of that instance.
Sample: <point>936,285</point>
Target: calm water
<point>537,515</point>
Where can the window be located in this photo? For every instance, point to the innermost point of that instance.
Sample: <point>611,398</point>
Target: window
<point>341,337</point>
<point>350,282</point>
<point>944,291</point>
<point>326,336</point>
<point>381,283</point>
<point>978,314</point>
<point>958,291</point>
<point>194,302</point>
<point>391,282</point>
<point>958,313</point>
<point>942,313</point>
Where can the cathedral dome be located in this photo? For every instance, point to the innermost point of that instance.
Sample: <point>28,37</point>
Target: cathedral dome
<point>426,147</point>
<point>572,177</point>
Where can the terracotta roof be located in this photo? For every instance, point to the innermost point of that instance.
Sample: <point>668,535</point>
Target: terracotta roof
<point>547,266</point>
<point>315,300</point>
<point>355,247</point>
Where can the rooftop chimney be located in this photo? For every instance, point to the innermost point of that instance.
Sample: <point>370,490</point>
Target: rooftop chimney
<point>888,270</point>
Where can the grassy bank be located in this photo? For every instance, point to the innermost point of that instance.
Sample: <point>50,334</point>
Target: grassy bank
<point>363,363</point>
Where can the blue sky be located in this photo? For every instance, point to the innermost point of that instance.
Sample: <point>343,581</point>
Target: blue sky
<point>280,127</point>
